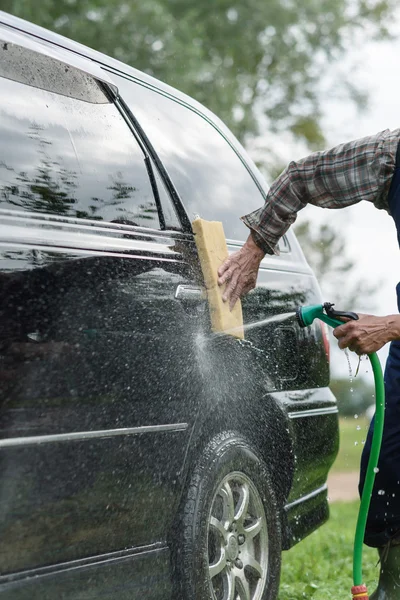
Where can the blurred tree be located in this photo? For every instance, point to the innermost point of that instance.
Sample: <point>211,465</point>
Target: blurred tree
<point>325,249</point>
<point>244,60</point>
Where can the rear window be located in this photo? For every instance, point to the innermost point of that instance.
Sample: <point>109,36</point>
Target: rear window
<point>211,179</point>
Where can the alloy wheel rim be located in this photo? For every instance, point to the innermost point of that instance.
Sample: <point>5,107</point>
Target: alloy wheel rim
<point>237,540</point>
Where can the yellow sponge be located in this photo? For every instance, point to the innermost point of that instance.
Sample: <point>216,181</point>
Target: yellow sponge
<point>212,249</point>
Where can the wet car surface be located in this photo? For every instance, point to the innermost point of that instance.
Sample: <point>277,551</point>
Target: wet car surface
<point>142,455</point>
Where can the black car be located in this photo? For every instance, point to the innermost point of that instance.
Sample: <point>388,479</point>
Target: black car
<point>141,455</point>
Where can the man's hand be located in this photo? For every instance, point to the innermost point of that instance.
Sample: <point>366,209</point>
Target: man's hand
<point>368,334</point>
<point>240,271</point>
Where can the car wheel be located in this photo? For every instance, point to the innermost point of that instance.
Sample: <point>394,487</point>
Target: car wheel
<point>228,539</point>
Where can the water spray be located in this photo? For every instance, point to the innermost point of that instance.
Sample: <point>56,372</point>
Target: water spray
<point>305,316</point>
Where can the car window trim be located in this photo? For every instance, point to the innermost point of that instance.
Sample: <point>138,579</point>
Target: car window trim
<point>172,191</point>
<point>147,161</point>
<point>90,224</point>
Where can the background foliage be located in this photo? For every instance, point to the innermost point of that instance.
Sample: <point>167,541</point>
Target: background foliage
<point>255,63</point>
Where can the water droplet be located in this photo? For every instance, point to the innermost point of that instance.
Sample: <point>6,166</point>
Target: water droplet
<point>349,364</point>
<point>356,443</point>
<point>376,470</point>
<point>351,390</point>
<point>381,492</point>
<point>356,416</point>
<point>358,427</point>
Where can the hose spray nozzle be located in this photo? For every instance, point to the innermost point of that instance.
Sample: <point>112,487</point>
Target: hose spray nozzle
<point>305,315</point>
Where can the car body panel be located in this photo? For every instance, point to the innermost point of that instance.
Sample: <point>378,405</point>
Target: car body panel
<point>77,397</point>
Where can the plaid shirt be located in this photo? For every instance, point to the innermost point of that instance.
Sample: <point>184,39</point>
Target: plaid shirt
<point>344,175</point>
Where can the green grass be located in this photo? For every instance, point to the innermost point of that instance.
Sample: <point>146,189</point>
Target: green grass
<point>351,444</point>
<point>320,567</point>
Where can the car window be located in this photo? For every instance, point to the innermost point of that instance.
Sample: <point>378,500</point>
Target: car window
<point>68,154</point>
<point>209,176</point>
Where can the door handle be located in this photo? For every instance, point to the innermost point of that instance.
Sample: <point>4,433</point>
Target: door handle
<point>190,294</point>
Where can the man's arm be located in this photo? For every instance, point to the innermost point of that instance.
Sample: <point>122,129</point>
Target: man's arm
<point>342,176</point>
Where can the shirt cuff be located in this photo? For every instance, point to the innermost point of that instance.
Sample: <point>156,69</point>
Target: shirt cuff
<point>258,235</point>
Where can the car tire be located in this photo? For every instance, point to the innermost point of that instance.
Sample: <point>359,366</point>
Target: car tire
<point>228,537</point>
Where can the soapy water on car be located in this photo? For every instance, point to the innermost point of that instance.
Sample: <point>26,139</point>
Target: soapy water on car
<point>248,326</point>
<point>202,340</point>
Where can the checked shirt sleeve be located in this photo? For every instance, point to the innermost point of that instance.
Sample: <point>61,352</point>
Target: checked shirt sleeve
<point>344,175</point>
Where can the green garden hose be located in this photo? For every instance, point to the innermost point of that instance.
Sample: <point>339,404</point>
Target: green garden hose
<point>370,475</point>
<point>305,316</point>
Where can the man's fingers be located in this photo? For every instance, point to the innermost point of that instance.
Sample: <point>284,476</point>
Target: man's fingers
<point>340,331</point>
<point>345,333</point>
<point>239,272</point>
<point>343,343</point>
<point>224,267</point>
<point>225,277</point>
<point>348,340</point>
<point>236,289</point>
<point>230,288</point>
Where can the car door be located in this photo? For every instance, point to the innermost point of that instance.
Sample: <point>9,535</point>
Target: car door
<point>96,339</point>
